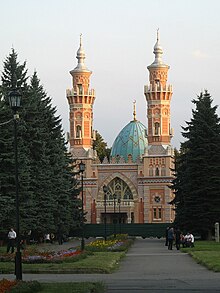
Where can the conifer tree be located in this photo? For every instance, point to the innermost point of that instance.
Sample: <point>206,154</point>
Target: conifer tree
<point>14,75</point>
<point>198,171</point>
<point>50,168</point>
<point>45,172</point>
<point>101,147</point>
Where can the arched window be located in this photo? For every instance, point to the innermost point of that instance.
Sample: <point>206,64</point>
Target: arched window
<point>78,131</point>
<point>163,171</point>
<point>80,89</point>
<point>151,171</point>
<point>120,189</point>
<point>157,172</point>
<point>156,128</point>
<point>157,81</point>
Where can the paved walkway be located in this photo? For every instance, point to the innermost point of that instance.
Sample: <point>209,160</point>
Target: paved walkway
<point>148,267</point>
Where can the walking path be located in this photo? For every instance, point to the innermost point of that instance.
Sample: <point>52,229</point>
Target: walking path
<point>148,267</point>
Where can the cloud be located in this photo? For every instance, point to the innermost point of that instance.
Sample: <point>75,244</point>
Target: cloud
<point>199,54</point>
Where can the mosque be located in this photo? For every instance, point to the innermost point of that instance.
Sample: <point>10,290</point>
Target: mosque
<point>138,174</point>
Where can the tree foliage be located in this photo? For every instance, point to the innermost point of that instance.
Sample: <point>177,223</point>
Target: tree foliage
<point>197,181</point>
<point>45,172</point>
<point>101,147</point>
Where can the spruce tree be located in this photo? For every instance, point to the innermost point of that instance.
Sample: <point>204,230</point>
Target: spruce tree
<point>198,173</point>
<point>45,167</point>
<point>50,168</point>
<point>101,147</point>
<point>14,75</point>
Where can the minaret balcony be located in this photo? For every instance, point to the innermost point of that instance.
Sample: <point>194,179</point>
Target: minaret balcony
<point>73,93</point>
<point>158,88</point>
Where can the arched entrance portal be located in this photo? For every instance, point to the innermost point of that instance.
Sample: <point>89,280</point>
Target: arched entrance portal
<point>119,200</point>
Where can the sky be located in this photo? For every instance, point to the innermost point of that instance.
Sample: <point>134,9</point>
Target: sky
<point>118,39</point>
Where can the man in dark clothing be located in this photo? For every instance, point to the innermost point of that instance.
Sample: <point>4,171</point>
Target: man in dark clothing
<point>167,229</point>
<point>177,238</point>
<point>170,238</point>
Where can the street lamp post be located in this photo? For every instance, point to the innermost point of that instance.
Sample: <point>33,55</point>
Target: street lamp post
<point>105,189</point>
<point>114,197</point>
<point>119,209</point>
<point>15,101</point>
<point>81,170</point>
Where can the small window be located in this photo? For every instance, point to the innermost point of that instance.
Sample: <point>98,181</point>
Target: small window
<point>157,81</point>
<point>156,128</point>
<point>80,89</point>
<point>159,213</point>
<point>157,172</point>
<point>163,171</point>
<point>78,131</point>
<point>155,213</point>
<point>151,171</point>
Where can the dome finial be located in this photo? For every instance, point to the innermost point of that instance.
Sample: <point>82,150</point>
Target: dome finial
<point>158,34</point>
<point>158,51</point>
<point>81,57</point>
<point>134,110</point>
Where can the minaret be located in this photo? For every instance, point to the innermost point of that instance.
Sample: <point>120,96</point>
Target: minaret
<point>81,99</point>
<point>158,95</point>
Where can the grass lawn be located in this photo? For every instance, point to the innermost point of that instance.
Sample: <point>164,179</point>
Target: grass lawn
<point>206,253</point>
<point>99,262</point>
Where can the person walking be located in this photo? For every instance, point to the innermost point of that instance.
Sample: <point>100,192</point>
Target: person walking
<point>11,240</point>
<point>170,238</point>
<point>177,238</point>
<point>167,229</point>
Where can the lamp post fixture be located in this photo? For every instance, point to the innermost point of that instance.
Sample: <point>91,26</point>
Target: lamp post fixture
<point>114,221</point>
<point>119,209</point>
<point>15,103</point>
<point>81,170</point>
<point>105,189</point>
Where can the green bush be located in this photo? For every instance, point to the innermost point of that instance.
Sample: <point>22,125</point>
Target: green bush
<point>26,287</point>
<point>118,237</point>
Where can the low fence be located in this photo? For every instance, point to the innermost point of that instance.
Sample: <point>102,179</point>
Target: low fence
<point>142,230</point>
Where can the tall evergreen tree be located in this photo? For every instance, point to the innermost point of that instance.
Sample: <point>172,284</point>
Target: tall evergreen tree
<point>50,164</point>
<point>101,147</point>
<point>198,171</point>
<point>45,172</point>
<point>14,75</point>
<point>178,188</point>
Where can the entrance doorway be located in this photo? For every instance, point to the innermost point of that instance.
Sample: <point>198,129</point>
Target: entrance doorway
<point>114,218</point>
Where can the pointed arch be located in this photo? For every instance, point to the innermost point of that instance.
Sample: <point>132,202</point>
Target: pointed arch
<point>127,182</point>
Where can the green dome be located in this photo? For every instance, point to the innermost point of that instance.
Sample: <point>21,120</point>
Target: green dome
<point>131,140</point>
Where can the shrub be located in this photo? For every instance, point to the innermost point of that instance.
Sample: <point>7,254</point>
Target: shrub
<point>6,285</point>
<point>118,236</point>
<point>26,287</point>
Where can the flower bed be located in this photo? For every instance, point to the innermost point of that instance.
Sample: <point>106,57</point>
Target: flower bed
<point>57,257</point>
<point>44,257</point>
<point>119,243</point>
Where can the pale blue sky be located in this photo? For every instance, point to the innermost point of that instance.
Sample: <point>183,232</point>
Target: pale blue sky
<point>118,38</point>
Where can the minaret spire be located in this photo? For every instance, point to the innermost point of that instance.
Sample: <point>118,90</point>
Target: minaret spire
<point>158,51</point>
<point>81,58</point>
<point>80,39</point>
<point>158,34</point>
<point>134,110</point>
